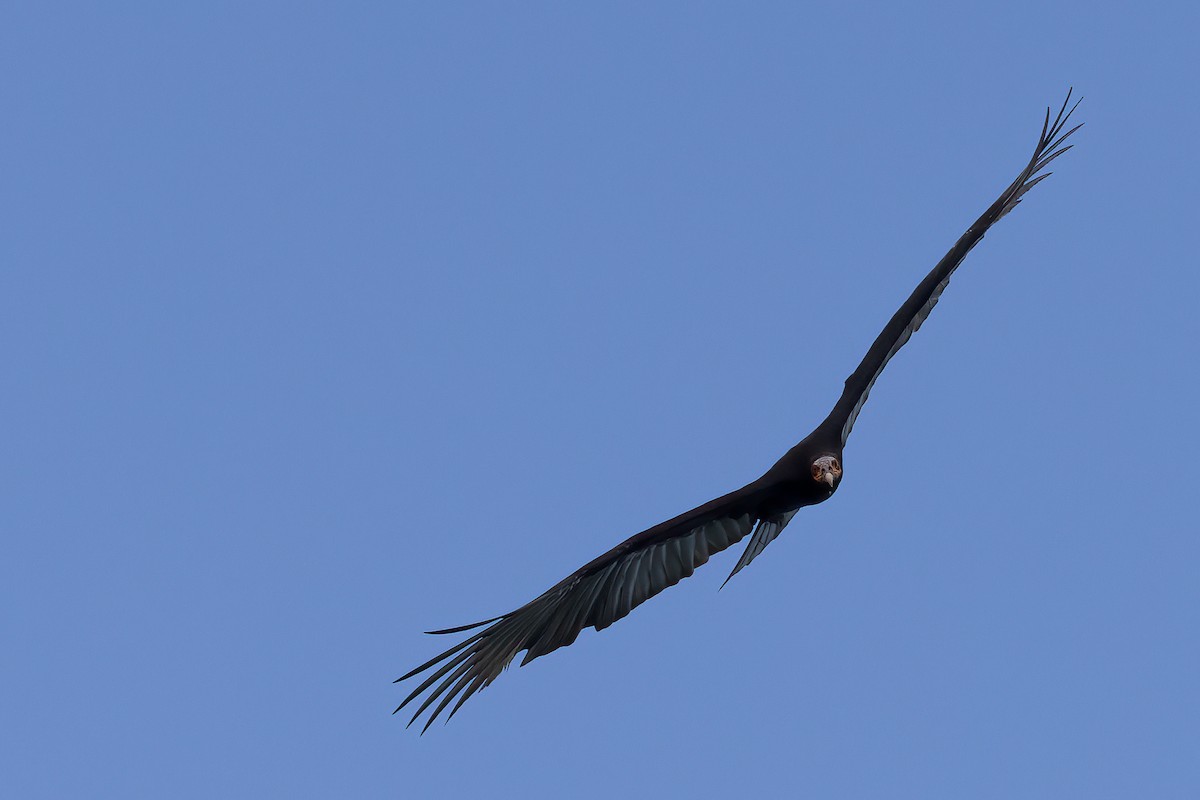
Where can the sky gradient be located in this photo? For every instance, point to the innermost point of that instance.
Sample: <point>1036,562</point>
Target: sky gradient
<point>324,325</point>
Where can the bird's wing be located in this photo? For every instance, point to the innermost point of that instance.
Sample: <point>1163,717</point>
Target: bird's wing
<point>764,533</point>
<point>596,595</point>
<point>908,319</point>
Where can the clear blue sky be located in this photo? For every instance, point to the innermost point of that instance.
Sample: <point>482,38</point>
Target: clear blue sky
<point>323,325</point>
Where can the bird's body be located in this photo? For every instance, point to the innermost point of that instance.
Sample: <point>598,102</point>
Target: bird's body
<point>611,585</point>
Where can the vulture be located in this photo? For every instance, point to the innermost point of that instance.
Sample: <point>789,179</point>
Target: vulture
<point>611,585</point>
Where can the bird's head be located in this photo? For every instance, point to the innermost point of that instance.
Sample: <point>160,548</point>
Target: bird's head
<point>827,470</point>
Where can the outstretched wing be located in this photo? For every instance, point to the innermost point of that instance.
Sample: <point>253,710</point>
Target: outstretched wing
<point>596,595</point>
<point>908,319</point>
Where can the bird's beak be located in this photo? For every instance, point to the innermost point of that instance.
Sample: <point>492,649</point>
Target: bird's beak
<point>828,477</point>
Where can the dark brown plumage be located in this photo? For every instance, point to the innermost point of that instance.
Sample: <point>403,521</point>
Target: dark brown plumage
<point>611,585</point>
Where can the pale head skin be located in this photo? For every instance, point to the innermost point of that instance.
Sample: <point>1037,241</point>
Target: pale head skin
<point>828,470</point>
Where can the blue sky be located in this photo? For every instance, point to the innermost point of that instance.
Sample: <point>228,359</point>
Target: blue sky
<point>325,325</point>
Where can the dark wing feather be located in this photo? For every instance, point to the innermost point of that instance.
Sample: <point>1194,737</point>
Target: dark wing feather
<point>596,595</point>
<point>908,319</point>
<point>765,533</point>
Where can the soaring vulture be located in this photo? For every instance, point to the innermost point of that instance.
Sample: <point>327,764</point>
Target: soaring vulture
<point>610,586</point>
